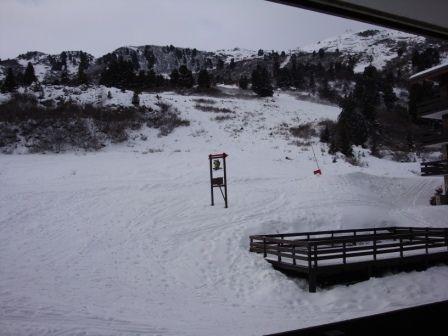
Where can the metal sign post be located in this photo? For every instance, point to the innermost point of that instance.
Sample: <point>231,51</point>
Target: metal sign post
<point>218,182</point>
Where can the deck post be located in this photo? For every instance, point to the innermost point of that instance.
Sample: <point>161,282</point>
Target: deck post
<point>265,254</point>
<point>309,257</point>
<point>374,246</point>
<point>344,253</point>
<point>401,247</point>
<point>311,272</point>
<point>315,255</point>
<point>279,256</point>
<point>312,281</point>
<point>446,238</point>
<point>354,236</point>
<point>294,255</point>
<point>211,179</point>
<point>225,182</point>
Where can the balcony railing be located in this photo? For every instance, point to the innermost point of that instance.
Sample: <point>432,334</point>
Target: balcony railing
<point>433,105</point>
<point>432,168</point>
<point>435,139</point>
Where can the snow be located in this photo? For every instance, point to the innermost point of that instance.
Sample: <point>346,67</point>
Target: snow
<point>238,54</point>
<point>124,241</point>
<point>285,62</point>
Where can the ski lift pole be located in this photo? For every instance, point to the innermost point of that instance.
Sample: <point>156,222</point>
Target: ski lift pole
<point>318,171</point>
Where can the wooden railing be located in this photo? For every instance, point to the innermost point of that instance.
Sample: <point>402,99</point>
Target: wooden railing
<point>432,105</point>
<point>434,139</point>
<point>315,250</point>
<point>432,168</point>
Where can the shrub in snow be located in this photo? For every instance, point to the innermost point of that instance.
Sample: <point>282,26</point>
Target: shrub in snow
<point>305,131</point>
<point>208,108</point>
<point>261,82</point>
<point>56,128</point>
<point>166,119</point>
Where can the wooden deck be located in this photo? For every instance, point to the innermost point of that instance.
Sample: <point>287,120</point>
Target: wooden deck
<point>328,256</point>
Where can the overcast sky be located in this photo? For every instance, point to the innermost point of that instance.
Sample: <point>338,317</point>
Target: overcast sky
<point>100,26</point>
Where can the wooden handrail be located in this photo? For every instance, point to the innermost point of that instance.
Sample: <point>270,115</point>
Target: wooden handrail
<point>334,247</point>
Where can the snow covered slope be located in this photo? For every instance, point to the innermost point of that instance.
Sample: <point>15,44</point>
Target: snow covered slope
<point>124,241</point>
<point>374,47</point>
<point>238,54</point>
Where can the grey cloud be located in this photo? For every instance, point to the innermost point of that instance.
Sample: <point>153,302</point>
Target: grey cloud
<point>100,26</point>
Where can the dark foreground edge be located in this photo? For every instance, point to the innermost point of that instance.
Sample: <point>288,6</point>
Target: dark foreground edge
<point>427,319</point>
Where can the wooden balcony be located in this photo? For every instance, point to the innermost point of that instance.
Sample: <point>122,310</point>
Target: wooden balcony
<point>433,108</point>
<point>434,168</point>
<point>436,139</point>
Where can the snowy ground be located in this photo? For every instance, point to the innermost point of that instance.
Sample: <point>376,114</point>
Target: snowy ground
<point>124,241</point>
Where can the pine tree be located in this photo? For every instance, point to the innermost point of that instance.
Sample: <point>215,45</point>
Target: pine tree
<point>174,77</point>
<point>366,92</point>
<point>325,91</point>
<point>204,80</point>
<point>82,77</point>
<point>232,64</point>
<point>321,53</point>
<point>343,142</point>
<point>136,99</point>
<point>352,125</point>
<point>83,65</point>
<point>64,77</point>
<point>261,82</point>
<point>243,82</point>
<point>325,134</point>
<point>29,77</point>
<point>312,84</point>
<point>64,60</point>
<point>9,84</point>
<point>220,64</point>
<point>118,73</point>
<point>283,78</point>
<point>109,95</point>
<point>186,78</point>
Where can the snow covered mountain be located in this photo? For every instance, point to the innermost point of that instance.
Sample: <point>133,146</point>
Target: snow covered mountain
<point>376,47</point>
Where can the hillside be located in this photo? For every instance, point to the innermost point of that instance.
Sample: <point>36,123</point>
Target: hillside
<point>376,47</point>
<point>123,241</point>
